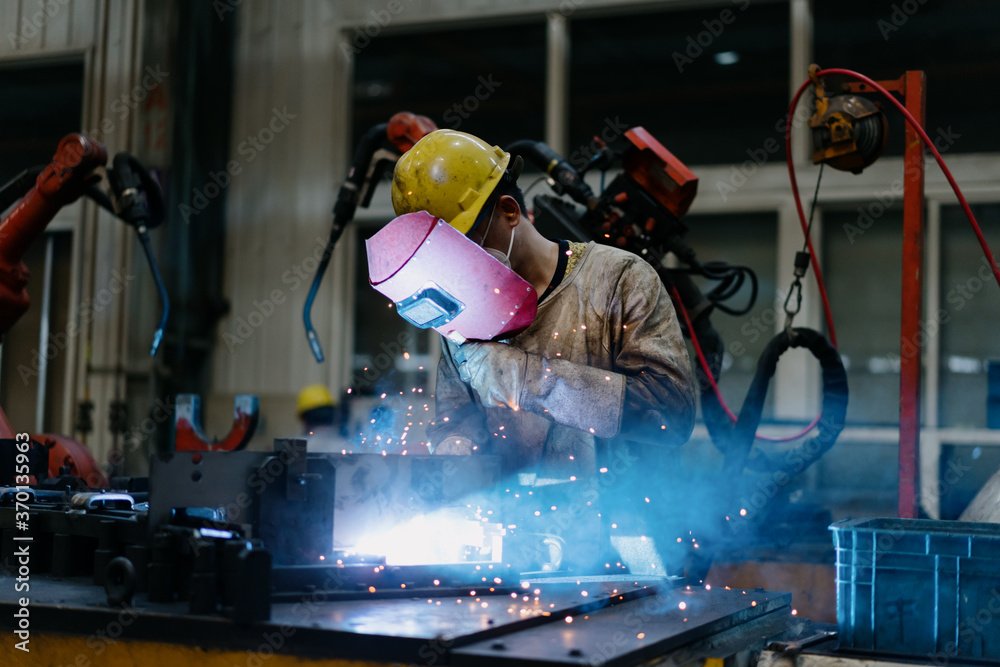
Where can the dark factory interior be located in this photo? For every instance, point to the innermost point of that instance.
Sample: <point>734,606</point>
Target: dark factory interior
<point>345,333</point>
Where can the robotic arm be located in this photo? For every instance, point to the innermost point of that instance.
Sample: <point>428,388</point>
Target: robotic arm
<point>60,183</point>
<point>134,197</point>
<point>70,173</point>
<point>371,162</point>
<point>74,171</point>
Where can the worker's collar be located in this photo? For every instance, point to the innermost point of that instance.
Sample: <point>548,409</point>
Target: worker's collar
<point>560,271</point>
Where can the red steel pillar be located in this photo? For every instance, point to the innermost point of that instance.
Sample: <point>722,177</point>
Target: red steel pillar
<point>911,335</point>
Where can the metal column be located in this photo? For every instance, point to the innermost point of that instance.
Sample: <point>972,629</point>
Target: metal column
<point>911,335</point>
<point>557,82</point>
<point>43,336</point>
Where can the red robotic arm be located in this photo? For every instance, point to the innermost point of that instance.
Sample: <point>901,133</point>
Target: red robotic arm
<point>60,183</point>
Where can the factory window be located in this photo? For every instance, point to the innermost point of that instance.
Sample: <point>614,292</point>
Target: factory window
<point>863,280</point>
<point>42,103</point>
<point>741,240</point>
<point>969,310</point>
<point>486,81</point>
<point>710,83</point>
<point>389,355</point>
<point>857,478</point>
<point>954,42</point>
<point>23,352</point>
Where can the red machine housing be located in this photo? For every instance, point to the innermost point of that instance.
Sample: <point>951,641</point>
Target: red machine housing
<point>661,174</point>
<point>405,129</point>
<point>68,453</point>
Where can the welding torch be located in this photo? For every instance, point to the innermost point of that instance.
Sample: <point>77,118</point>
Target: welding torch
<point>371,161</point>
<point>343,214</point>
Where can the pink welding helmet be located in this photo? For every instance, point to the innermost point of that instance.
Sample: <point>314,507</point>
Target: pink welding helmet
<point>441,280</point>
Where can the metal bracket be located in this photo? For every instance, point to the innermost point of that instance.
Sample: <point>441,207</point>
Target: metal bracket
<point>296,475</point>
<point>97,501</point>
<point>188,435</point>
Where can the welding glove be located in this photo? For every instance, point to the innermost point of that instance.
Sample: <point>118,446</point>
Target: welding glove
<point>567,393</point>
<point>454,445</point>
<point>494,371</point>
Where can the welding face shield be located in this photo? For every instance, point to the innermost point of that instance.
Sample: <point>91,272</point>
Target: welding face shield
<point>440,279</point>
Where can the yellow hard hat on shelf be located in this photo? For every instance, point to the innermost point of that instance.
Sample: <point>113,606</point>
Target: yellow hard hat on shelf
<point>449,174</point>
<point>314,396</point>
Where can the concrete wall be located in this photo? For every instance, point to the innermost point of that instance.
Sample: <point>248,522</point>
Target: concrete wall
<point>290,117</point>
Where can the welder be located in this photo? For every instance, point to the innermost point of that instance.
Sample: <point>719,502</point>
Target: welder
<point>583,405</point>
<point>604,357</point>
<point>322,420</point>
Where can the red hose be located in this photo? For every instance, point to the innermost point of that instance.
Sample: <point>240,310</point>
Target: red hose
<point>711,380</point>
<point>701,355</point>
<point>805,230</point>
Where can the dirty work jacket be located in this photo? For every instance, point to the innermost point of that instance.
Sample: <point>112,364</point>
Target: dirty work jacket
<point>606,359</point>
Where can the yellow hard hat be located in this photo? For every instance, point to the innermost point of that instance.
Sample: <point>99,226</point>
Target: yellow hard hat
<point>314,396</point>
<point>449,174</point>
